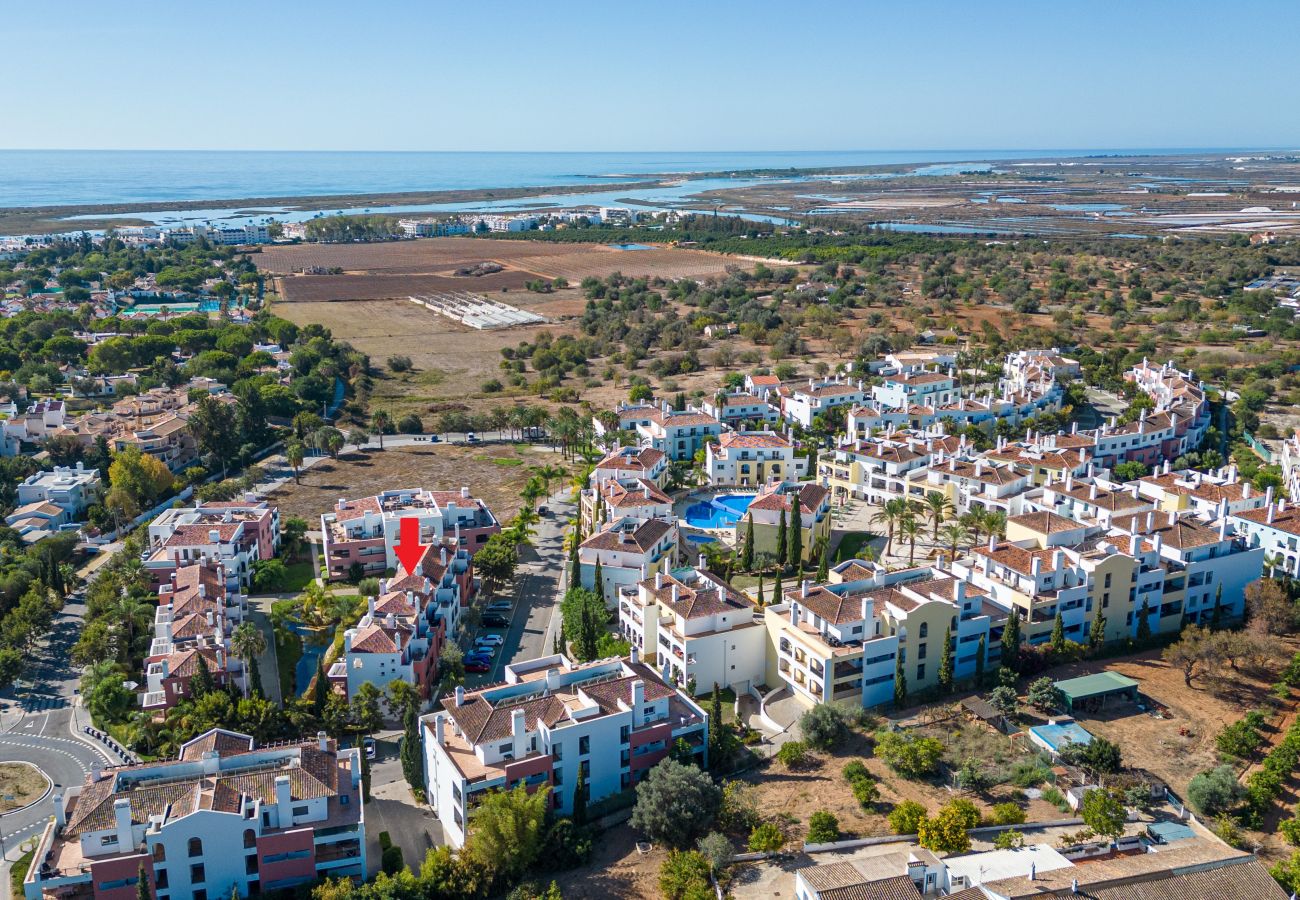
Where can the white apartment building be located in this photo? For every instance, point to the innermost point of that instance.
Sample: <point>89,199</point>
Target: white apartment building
<point>225,816</point>
<point>916,388</point>
<point>805,402</point>
<point>613,718</point>
<point>746,458</point>
<point>632,462</point>
<point>678,434</point>
<point>71,488</point>
<point>738,407</point>
<point>695,627</point>
<point>626,549</point>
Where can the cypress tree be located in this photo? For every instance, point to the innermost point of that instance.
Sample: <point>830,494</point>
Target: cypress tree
<point>1011,641</point>
<point>321,692</point>
<point>760,590</point>
<point>980,655</point>
<point>1097,633</point>
<point>580,799</point>
<point>900,682</point>
<point>201,682</point>
<point>945,662</point>
<point>747,552</point>
<point>715,726</point>
<point>1216,617</point>
<point>824,566</point>
<point>142,891</point>
<point>796,535</point>
<point>411,762</point>
<point>575,568</point>
<point>599,582</point>
<point>1058,633</point>
<point>781,538</point>
<point>777,596</point>
<point>1144,623</point>
<point>255,681</point>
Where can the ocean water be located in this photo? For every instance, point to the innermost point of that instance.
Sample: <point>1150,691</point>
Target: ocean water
<point>72,177</point>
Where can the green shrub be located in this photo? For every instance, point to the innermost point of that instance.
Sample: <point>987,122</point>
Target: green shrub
<point>390,861</point>
<point>1056,798</point>
<point>793,755</point>
<point>766,838</point>
<point>906,817</point>
<point>1290,829</point>
<point>823,727</point>
<point>1009,840</point>
<point>855,769</point>
<point>1008,814</point>
<point>865,792</point>
<point>823,827</point>
<point>909,755</point>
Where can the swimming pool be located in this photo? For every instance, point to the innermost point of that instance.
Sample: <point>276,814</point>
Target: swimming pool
<point>719,511</point>
<point>631,246</point>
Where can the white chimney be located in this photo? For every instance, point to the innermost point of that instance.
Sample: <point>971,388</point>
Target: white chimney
<point>214,536</point>
<point>552,679</point>
<point>1268,516</point>
<point>283,801</point>
<point>675,592</point>
<point>636,655</point>
<point>322,741</point>
<point>464,493</point>
<point>439,729</point>
<point>659,580</point>
<point>122,821</point>
<point>370,607</point>
<point>60,810</point>
<point>460,695</point>
<point>518,732</point>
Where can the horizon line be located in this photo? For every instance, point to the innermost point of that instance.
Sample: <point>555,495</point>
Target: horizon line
<point>1097,149</point>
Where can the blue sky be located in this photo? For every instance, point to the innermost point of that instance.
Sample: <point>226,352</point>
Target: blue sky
<point>669,75</point>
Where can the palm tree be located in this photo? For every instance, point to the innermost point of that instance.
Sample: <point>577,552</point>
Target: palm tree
<point>533,490</point>
<point>293,455</point>
<point>334,442</point>
<point>954,533</point>
<point>547,473</point>
<point>890,515</point>
<point>909,528</point>
<point>248,643</point>
<point>937,508</point>
<point>995,522</point>
<point>381,422</point>
<point>131,615</point>
<point>974,523</point>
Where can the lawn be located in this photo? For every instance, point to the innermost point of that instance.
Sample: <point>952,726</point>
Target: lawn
<point>18,873</point>
<point>298,576</point>
<point>852,543</point>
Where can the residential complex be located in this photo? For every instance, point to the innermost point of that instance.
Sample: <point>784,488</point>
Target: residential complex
<point>362,533</point>
<point>226,815</point>
<point>237,532</point>
<point>613,718</point>
<point>49,502</point>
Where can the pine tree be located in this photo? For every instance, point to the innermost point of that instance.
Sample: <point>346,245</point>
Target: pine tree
<point>142,891</point>
<point>980,655</point>
<point>796,535</point>
<point>824,565</point>
<point>598,584</point>
<point>1097,633</point>
<point>580,798</point>
<point>747,552</point>
<point>945,662</point>
<point>1058,633</point>
<point>900,683</point>
<point>1011,641</point>
<point>781,538</point>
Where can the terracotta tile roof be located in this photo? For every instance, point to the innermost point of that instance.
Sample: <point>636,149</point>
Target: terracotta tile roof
<point>1241,881</point>
<point>375,638</point>
<point>355,509</point>
<point>831,875</point>
<point>317,776</point>
<point>608,694</point>
<point>640,493</point>
<point>899,887</point>
<point>1017,558</point>
<point>218,739</point>
<point>643,537</point>
<point>829,390</point>
<point>1105,499</point>
<point>480,721</point>
<point>196,535</point>
<point>185,663</point>
<point>643,458</point>
<point>395,602</point>
<point>1287,520</point>
<point>93,810</point>
<point>919,378</point>
<point>811,497</point>
<point>1045,522</point>
<point>753,440</point>
<point>676,419</point>
<point>1185,533</point>
<point>705,597</point>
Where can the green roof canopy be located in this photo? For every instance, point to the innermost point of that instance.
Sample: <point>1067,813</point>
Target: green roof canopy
<point>1098,685</point>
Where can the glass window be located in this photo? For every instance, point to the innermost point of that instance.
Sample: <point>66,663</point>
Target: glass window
<point>197,874</point>
<point>250,838</point>
<point>196,847</point>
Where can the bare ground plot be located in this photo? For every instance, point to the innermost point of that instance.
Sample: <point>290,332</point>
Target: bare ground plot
<point>442,256</point>
<point>20,784</point>
<point>797,794</point>
<point>494,474</point>
<point>325,288</point>
<point>1180,743</point>
<point>616,869</point>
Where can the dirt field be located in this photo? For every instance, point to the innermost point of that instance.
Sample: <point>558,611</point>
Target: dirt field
<point>19,785</point>
<point>334,288</point>
<point>1160,744</point>
<point>616,869</point>
<point>442,256</point>
<point>493,473</point>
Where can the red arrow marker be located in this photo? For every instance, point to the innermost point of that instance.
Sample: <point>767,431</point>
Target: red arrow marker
<point>408,548</point>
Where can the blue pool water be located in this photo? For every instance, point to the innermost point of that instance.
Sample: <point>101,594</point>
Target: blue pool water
<point>631,246</point>
<point>701,539</point>
<point>722,511</point>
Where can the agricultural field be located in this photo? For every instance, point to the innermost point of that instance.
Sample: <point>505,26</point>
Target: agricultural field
<point>493,473</point>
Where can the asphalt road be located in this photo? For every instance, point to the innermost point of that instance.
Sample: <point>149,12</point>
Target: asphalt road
<point>538,581</point>
<point>39,722</point>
